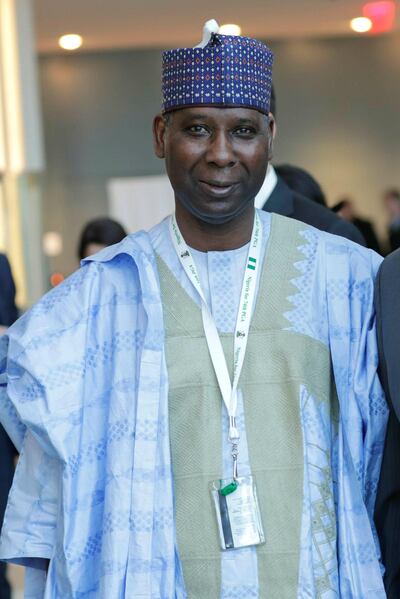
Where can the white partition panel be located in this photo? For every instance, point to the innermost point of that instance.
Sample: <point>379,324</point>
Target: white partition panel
<point>140,202</point>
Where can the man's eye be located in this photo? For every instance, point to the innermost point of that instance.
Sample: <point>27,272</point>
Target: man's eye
<point>197,130</point>
<point>245,131</point>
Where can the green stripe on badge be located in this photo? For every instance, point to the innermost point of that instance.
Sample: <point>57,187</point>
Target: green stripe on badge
<point>253,261</point>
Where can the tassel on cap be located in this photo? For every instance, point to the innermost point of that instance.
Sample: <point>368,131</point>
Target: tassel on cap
<point>209,28</point>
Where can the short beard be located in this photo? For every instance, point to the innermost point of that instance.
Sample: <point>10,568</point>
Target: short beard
<point>218,219</point>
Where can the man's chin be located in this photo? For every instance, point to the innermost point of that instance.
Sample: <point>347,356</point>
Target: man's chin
<point>216,217</point>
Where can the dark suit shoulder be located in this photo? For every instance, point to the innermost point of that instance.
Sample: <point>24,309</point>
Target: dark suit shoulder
<point>387,292</point>
<point>390,267</point>
<point>8,310</point>
<point>5,272</point>
<point>4,261</point>
<point>324,219</point>
<point>287,202</point>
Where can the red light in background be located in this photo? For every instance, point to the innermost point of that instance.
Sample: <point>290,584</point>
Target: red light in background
<point>56,278</point>
<point>382,15</point>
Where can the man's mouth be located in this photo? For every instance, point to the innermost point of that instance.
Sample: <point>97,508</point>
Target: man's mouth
<point>218,188</point>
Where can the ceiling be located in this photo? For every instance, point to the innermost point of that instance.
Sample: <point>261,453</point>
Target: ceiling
<point>107,24</point>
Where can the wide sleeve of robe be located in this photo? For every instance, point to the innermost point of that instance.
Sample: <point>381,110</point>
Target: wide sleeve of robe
<point>30,522</point>
<point>41,365</point>
<point>44,375</point>
<point>43,360</point>
<point>83,394</point>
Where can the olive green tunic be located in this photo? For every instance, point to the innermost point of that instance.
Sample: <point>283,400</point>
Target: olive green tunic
<point>277,363</point>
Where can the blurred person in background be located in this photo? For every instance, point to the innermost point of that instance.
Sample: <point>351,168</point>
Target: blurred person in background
<point>8,314</point>
<point>302,182</point>
<point>8,309</point>
<point>391,200</point>
<point>98,234</point>
<point>276,196</point>
<point>345,209</point>
<point>387,510</point>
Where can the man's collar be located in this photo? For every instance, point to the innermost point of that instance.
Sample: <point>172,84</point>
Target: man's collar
<point>270,181</point>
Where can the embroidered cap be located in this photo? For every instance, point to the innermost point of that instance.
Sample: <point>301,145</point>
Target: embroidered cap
<point>225,70</point>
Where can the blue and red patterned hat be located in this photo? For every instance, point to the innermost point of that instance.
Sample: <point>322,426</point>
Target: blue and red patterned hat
<point>227,71</point>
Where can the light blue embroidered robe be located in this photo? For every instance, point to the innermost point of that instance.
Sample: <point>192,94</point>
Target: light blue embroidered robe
<point>84,393</point>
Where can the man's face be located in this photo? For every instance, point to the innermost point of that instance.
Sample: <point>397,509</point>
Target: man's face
<point>216,158</point>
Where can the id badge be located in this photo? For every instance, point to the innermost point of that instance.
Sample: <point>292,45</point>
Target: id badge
<point>238,513</point>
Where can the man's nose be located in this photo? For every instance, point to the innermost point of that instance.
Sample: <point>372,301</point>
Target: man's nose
<point>220,150</point>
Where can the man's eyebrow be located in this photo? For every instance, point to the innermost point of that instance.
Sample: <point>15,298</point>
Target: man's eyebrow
<point>203,117</point>
<point>197,116</point>
<point>247,121</point>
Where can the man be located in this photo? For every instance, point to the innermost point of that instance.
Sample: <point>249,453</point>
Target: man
<point>196,417</point>
<point>276,196</point>
<point>387,513</point>
<point>8,314</point>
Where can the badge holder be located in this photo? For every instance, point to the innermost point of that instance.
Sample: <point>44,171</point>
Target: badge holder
<point>238,513</point>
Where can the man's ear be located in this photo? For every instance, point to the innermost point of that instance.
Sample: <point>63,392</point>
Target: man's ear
<point>271,135</point>
<point>272,125</point>
<point>159,130</point>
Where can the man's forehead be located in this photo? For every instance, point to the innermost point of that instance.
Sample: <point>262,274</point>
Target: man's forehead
<point>218,114</point>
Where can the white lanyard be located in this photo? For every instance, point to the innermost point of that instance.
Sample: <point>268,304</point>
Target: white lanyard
<point>228,388</point>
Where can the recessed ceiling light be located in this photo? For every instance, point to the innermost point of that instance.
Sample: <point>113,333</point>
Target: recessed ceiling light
<point>71,41</point>
<point>52,244</point>
<point>361,24</point>
<point>230,29</point>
